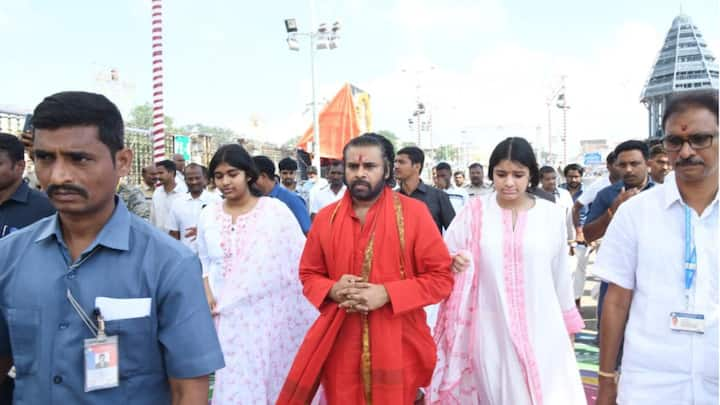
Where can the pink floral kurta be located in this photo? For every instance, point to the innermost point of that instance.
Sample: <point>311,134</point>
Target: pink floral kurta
<point>252,267</point>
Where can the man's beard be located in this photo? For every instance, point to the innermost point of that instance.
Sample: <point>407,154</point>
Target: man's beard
<point>288,182</point>
<point>370,194</point>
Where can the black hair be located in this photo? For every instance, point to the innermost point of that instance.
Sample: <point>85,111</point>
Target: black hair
<point>264,165</point>
<point>515,149</point>
<point>12,145</point>
<point>680,102</point>
<point>476,166</point>
<point>545,170</point>
<point>415,154</point>
<point>203,169</point>
<point>443,166</point>
<point>73,108</point>
<point>386,150</point>
<point>611,158</point>
<point>288,164</point>
<point>168,164</point>
<point>656,150</point>
<point>573,166</point>
<point>237,157</point>
<point>459,172</point>
<point>633,145</point>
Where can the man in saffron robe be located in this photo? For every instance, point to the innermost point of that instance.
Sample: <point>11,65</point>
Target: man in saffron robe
<point>372,261</point>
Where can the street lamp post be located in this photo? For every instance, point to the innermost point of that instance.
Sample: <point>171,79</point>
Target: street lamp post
<point>563,105</point>
<point>320,39</point>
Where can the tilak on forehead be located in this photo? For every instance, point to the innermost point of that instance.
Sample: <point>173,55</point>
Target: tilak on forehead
<point>361,158</point>
<point>683,127</point>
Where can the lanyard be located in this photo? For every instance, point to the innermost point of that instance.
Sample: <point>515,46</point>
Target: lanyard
<point>97,331</point>
<point>690,256</point>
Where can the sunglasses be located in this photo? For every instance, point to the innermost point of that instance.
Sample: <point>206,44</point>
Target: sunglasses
<point>674,143</point>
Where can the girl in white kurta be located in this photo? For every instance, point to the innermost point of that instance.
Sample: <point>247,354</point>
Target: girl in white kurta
<point>504,335</point>
<point>250,259</point>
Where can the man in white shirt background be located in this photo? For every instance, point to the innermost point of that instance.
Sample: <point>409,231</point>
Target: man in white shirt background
<point>660,257</point>
<point>185,210</point>
<point>458,196</point>
<point>477,184</point>
<point>589,193</point>
<point>329,193</point>
<point>179,161</point>
<point>548,182</point>
<point>165,194</point>
<point>659,163</point>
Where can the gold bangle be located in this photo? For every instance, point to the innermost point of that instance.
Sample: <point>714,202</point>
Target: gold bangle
<point>614,375</point>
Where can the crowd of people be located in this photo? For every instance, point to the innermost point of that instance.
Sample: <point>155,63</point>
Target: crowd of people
<point>367,286</point>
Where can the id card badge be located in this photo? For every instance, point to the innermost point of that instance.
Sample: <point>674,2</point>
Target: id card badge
<point>101,363</point>
<point>687,322</point>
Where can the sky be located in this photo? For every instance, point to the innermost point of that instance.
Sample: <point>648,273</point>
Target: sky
<point>485,68</point>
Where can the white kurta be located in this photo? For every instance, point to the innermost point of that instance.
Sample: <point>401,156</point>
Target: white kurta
<point>252,266</point>
<point>644,251</point>
<point>523,307</point>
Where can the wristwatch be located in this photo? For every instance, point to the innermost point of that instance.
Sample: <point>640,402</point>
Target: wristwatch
<point>614,375</point>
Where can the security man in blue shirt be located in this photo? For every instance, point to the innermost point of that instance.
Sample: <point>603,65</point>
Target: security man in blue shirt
<point>94,282</point>
<point>20,205</point>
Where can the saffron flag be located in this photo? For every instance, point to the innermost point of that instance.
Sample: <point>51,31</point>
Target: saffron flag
<point>338,124</point>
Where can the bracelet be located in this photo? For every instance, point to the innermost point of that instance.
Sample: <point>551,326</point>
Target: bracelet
<point>614,375</point>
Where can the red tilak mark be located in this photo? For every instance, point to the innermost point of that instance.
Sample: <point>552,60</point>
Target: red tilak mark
<point>684,127</point>
<point>361,158</point>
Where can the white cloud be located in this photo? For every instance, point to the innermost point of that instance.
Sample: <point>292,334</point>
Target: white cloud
<point>504,93</point>
<point>451,19</point>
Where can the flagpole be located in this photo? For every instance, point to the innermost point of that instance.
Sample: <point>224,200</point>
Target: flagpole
<point>316,120</point>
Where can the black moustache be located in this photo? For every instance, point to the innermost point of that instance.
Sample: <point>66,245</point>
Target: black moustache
<point>689,162</point>
<point>67,188</point>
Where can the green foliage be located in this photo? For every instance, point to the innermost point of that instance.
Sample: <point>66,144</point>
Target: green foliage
<point>447,153</point>
<point>141,118</point>
<point>390,137</point>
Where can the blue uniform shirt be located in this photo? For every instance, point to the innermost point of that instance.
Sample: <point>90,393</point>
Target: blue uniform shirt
<point>605,198</point>
<point>128,259</point>
<point>24,207</point>
<point>296,205</point>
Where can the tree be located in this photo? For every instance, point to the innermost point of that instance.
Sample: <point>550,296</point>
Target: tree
<point>222,135</point>
<point>141,117</point>
<point>390,137</point>
<point>447,153</point>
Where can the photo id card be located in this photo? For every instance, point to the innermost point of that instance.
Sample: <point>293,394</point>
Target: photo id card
<point>686,322</point>
<point>101,363</point>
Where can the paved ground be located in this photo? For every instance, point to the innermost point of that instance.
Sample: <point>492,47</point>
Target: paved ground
<point>586,346</point>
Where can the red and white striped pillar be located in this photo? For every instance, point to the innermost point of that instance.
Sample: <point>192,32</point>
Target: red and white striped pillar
<point>158,129</point>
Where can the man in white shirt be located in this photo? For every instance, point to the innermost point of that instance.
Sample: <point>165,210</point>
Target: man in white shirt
<point>185,210</point>
<point>312,184</point>
<point>660,257</point>
<point>458,196</point>
<point>179,161</point>
<point>329,193</point>
<point>477,184</point>
<point>590,192</point>
<point>164,195</point>
<point>548,182</point>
